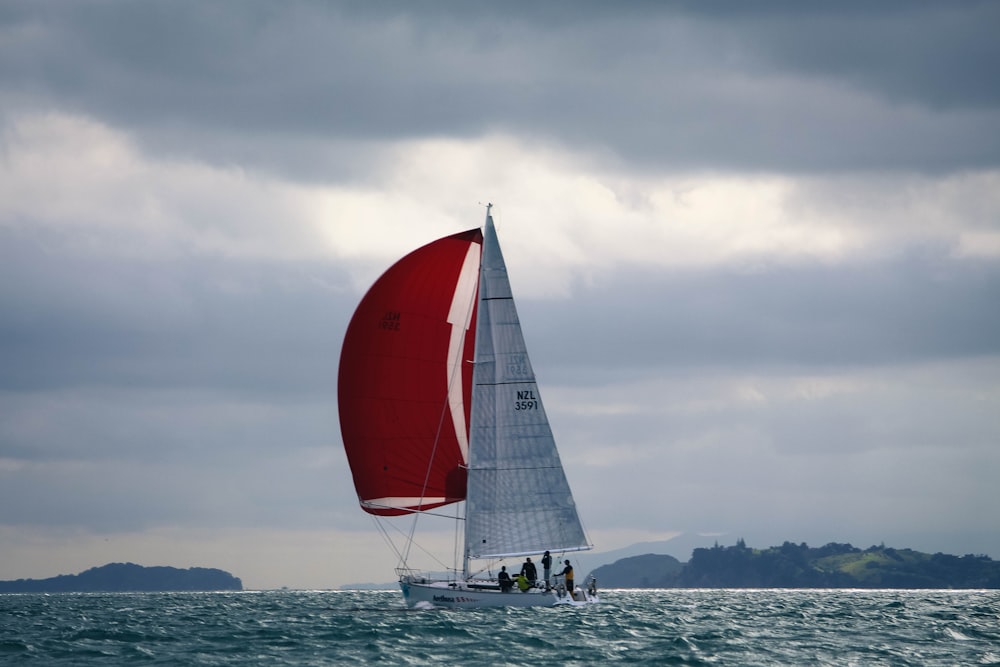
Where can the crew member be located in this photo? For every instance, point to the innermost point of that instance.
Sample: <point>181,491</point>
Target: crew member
<point>547,566</point>
<point>504,579</point>
<point>568,571</point>
<point>529,572</point>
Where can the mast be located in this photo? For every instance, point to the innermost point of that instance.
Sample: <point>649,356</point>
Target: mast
<point>466,555</point>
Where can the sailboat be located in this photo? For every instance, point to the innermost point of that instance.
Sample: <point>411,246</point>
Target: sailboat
<point>439,410</point>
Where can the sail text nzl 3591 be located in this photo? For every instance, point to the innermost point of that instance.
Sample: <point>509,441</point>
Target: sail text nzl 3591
<point>526,400</point>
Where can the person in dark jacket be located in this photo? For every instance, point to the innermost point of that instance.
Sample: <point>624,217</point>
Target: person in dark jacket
<point>529,572</point>
<point>547,566</point>
<point>505,582</point>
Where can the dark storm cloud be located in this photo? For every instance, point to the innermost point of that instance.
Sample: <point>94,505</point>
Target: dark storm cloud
<point>656,84</point>
<point>922,306</point>
<point>72,320</point>
<point>939,55</point>
<point>138,392</point>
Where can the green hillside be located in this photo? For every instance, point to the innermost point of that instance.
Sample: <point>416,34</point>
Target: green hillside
<point>647,571</point>
<point>800,566</point>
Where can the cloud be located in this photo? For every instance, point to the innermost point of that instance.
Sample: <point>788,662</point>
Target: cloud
<point>671,86</point>
<point>754,249</point>
<point>821,454</point>
<point>89,184</point>
<point>881,54</point>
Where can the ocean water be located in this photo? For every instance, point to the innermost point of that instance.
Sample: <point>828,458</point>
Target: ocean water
<point>675,627</point>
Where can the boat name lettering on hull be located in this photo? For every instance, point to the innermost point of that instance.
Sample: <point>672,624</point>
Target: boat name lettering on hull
<point>453,600</point>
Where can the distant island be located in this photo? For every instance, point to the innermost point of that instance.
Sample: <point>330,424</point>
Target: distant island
<point>129,577</point>
<point>800,566</point>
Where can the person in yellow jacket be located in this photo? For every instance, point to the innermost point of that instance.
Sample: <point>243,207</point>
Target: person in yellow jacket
<point>522,582</point>
<point>568,571</point>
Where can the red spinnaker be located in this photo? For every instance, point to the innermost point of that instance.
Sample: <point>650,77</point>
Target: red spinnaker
<point>405,379</point>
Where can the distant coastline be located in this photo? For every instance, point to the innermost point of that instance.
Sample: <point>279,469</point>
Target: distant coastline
<point>129,577</point>
<point>787,566</point>
<point>800,566</point>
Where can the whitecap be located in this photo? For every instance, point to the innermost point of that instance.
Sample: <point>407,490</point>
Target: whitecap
<point>955,634</point>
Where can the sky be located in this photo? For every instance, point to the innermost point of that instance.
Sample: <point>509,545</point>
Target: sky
<point>755,247</point>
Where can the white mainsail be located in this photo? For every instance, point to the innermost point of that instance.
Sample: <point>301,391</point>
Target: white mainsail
<point>518,501</point>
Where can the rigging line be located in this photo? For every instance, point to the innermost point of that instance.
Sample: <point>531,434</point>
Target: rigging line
<point>386,538</point>
<point>410,542</point>
<point>407,510</point>
<point>458,531</point>
<point>490,564</point>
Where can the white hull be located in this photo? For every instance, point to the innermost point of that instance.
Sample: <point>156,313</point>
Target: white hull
<point>458,595</point>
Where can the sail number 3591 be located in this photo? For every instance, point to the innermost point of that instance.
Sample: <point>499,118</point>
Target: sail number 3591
<point>526,400</point>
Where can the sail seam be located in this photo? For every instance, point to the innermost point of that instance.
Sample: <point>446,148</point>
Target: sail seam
<point>520,468</point>
<point>497,384</point>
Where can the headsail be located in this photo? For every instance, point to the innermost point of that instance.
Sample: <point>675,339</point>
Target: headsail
<point>404,382</point>
<point>519,501</point>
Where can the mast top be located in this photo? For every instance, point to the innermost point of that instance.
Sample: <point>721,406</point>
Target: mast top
<point>489,215</point>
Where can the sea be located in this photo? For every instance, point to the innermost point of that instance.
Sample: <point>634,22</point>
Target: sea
<point>662,627</point>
